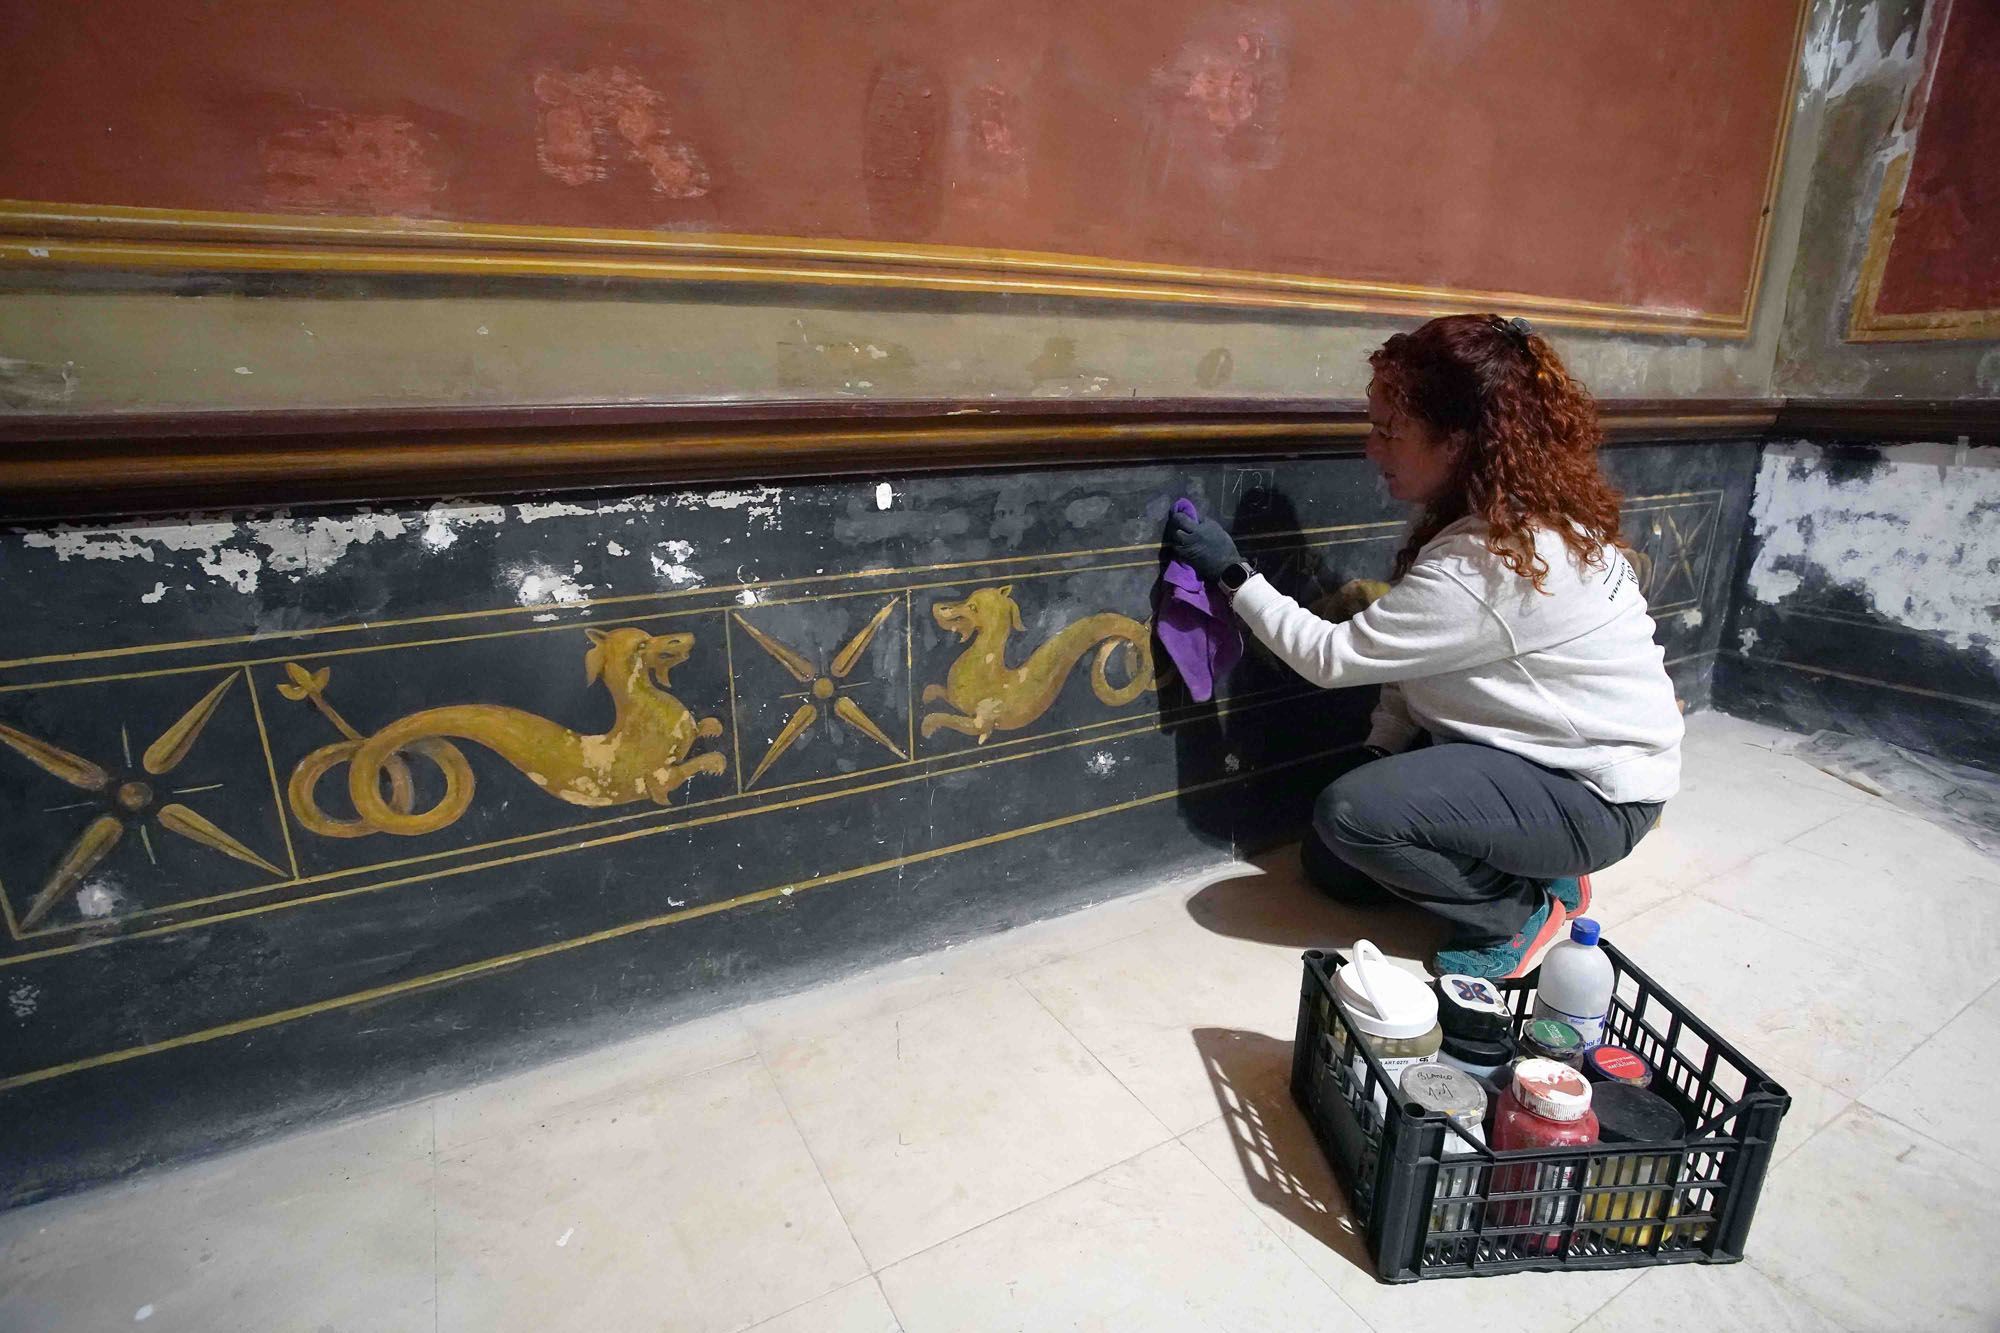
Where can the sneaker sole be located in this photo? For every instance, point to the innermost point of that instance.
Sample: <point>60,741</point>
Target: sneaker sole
<point>1550,932</point>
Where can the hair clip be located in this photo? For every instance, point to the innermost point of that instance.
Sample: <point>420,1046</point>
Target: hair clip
<point>1517,329</point>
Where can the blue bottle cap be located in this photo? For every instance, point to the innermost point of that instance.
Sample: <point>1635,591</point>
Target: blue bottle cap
<point>1583,931</point>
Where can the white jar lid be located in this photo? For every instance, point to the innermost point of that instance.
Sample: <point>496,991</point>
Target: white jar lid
<point>1381,998</point>
<point>1552,1091</point>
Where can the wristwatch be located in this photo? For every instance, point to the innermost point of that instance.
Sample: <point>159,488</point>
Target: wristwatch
<point>1234,575</point>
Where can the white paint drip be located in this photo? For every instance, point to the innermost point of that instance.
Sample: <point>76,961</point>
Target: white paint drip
<point>1915,536</point>
<point>563,1239</point>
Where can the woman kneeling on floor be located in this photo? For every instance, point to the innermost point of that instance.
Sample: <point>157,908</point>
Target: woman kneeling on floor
<point>1527,732</point>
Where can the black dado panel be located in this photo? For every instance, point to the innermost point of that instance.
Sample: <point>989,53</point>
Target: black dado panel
<point>622,761</point>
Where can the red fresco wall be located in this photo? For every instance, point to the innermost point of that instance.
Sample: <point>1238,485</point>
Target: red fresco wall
<point>1945,252</point>
<point>1596,152</point>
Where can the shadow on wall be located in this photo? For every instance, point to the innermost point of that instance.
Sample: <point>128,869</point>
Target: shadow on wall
<point>1266,524</point>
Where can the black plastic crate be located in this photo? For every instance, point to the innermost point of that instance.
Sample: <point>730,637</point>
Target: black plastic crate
<point>1479,1212</point>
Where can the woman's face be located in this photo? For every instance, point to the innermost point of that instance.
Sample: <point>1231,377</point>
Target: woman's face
<point>1416,464</point>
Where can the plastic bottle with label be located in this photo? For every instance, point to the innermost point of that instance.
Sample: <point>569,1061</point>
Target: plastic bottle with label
<point>1576,982</point>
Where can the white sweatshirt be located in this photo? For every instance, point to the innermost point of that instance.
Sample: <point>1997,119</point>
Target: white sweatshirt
<point>1467,650</point>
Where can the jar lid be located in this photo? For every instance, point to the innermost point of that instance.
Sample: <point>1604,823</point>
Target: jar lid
<point>1550,1090</point>
<point>1626,1114</point>
<point>1615,1064</point>
<point>1472,1007</point>
<point>1446,1090</point>
<point>1381,999</point>
<point>1551,1036</point>
<point>1498,1050</point>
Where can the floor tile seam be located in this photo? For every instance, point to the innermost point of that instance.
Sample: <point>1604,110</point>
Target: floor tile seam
<point>1798,1295</point>
<point>1914,1050</point>
<point>1957,1153</point>
<point>437,1312</point>
<point>887,1304</point>
<point>826,1186</point>
<point>1583,1325</point>
<point>455,1155</point>
<point>1165,1129</point>
<point>760,1322</point>
<point>1038,964</point>
<point>1271,1227</point>
<point>1989,875</point>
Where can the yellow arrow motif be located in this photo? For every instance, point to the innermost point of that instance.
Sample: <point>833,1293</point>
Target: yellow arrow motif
<point>175,742</point>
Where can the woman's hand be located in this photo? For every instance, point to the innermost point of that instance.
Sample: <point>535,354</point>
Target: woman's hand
<point>1203,546</point>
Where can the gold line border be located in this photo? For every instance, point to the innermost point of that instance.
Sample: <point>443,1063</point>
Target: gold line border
<point>1137,727</point>
<point>467,970</point>
<point>51,234</point>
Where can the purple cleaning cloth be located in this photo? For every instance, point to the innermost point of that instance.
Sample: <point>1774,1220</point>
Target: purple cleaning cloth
<point>1195,624</point>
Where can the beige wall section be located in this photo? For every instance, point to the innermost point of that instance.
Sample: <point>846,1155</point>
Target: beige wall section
<point>1862,56</point>
<point>99,344</point>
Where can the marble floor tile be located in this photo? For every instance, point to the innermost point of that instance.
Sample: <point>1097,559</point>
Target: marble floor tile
<point>1900,848</point>
<point>1707,1298</point>
<point>1947,1087</point>
<point>271,1238</point>
<point>1783,999</point>
<point>1879,1228</point>
<point>1947,930</point>
<point>691,1205</point>
<point>1154,1244</point>
<point>533,1096</point>
<point>932,1120</point>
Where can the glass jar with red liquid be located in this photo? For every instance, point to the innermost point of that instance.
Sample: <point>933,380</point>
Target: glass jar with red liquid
<point>1546,1106</point>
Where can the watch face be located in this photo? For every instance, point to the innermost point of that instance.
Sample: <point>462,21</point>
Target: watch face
<point>1235,576</point>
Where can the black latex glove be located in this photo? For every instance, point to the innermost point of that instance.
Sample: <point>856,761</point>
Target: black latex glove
<point>1203,546</point>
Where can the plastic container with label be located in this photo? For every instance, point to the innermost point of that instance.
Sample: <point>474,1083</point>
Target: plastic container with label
<point>1393,1014</point>
<point>1552,1039</point>
<point>1615,1064</point>
<point>1548,1106</point>
<point>1461,1098</point>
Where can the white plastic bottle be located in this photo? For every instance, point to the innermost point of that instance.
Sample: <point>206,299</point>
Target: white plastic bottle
<point>1576,983</point>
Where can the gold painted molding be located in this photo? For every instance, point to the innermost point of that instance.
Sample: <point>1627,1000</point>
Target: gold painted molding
<point>1870,324</point>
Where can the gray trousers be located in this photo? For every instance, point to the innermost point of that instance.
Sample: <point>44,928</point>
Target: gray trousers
<point>1469,833</point>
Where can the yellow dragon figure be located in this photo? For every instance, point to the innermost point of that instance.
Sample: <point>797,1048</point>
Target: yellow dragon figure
<point>643,757</point>
<point>991,696</point>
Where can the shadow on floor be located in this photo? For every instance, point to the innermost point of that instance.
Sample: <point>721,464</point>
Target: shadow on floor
<point>1250,1074</point>
<point>1279,907</point>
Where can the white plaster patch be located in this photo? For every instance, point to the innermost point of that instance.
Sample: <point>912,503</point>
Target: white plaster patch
<point>563,1239</point>
<point>613,548</point>
<point>99,898</point>
<point>1987,373</point>
<point>159,591</point>
<point>1101,763</point>
<point>761,503</point>
<point>1840,67</point>
<point>142,1314</point>
<point>749,597</point>
<point>243,370</point>
<point>1232,764</point>
<point>1747,640</point>
<point>1915,535</point>
<point>1692,617</point>
<point>535,584</point>
<point>23,1000</point>
<point>885,496</point>
<point>670,563</point>
<point>302,546</point>
<point>443,520</point>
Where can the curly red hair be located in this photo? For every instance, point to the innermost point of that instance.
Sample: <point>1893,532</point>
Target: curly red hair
<point>1526,435</point>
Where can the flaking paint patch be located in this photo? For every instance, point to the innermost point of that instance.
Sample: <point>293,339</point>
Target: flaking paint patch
<point>1914,534</point>
<point>23,1000</point>
<point>586,114</point>
<point>342,160</point>
<point>670,563</point>
<point>443,520</point>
